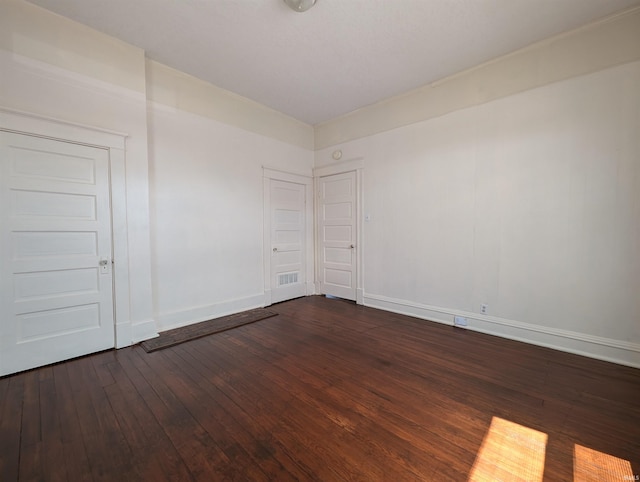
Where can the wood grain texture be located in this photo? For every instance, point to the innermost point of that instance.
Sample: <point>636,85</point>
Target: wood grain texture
<point>325,391</point>
<point>205,328</point>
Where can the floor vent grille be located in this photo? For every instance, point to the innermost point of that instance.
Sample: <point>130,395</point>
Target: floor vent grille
<point>287,279</point>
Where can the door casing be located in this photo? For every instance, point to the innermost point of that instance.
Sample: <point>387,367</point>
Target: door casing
<point>27,123</point>
<point>356,165</point>
<point>274,174</point>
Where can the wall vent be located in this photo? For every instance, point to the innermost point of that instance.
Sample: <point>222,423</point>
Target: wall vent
<point>287,279</point>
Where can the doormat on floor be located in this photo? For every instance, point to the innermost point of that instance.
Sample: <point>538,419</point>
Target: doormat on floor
<point>198,330</point>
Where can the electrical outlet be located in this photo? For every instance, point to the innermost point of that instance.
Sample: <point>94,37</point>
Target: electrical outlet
<point>459,321</point>
<point>483,308</point>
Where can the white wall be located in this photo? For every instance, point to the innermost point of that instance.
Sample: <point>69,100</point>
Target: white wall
<point>529,203</point>
<point>194,157</point>
<point>207,209</point>
<point>524,195</point>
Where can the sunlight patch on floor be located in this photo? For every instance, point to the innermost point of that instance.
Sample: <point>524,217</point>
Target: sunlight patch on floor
<point>591,465</point>
<point>510,452</point>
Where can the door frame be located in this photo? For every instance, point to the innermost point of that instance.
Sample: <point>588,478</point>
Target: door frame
<point>270,174</point>
<point>35,125</point>
<point>357,165</point>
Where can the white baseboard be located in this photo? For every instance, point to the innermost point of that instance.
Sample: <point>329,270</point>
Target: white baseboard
<point>143,330</point>
<point>409,308</point>
<point>176,319</point>
<point>359,296</point>
<point>128,334</point>
<point>311,288</point>
<point>124,335</point>
<point>607,349</point>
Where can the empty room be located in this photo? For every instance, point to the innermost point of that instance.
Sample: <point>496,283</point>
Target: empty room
<point>320,240</point>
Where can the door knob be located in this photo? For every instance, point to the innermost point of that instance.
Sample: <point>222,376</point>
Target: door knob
<point>352,246</point>
<point>275,249</point>
<point>104,265</point>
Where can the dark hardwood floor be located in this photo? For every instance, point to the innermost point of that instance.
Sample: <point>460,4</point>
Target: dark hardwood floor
<point>325,391</point>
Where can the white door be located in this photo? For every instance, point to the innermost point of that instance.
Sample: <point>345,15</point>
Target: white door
<point>55,252</point>
<point>337,235</point>
<point>288,231</point>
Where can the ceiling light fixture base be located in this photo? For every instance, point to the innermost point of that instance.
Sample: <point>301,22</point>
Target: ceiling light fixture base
<point>300,5</point>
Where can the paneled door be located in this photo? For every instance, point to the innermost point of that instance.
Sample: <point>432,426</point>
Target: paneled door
<point>337,235</point>
<point>288,251</point>
<point>55,252</point>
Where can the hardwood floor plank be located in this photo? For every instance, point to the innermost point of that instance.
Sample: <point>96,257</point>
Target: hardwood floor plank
<point>202,456</point>
<point>52,446</point>
<point>336,427</point>
<point>220,410</point>
<point>30,437</point>
<point>257,412</point>
<point>155,457</point>
<point>106,449</point>
<point>327,390</point>
<point>101,362</point>
<point>31,409</point>
<point>76,460</point>
<point>202,408</point>
<point>11,428</point>
<point>358,388</point>
<point>344,411</point>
